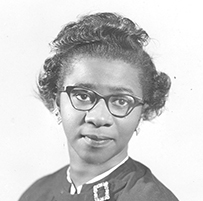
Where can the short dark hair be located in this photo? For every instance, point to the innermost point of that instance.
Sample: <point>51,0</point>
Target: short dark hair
<point>106,35</point>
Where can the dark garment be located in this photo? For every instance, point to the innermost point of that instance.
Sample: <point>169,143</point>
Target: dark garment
<point>132,181</point>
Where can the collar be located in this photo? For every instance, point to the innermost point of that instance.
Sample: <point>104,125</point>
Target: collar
<point>77,190</point>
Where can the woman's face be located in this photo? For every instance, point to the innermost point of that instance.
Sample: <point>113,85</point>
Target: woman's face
<point>96,136</point>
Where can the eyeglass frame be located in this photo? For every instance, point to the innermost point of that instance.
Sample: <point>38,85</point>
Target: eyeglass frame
<point>98,97</point>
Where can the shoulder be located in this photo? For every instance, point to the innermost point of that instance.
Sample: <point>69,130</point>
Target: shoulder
<point>43,187</point>
<point>146,187</point>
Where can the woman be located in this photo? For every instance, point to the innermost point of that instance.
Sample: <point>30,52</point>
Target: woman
<point>100,83</point>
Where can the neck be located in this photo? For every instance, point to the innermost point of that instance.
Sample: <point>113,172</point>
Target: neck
<point>82,171</point>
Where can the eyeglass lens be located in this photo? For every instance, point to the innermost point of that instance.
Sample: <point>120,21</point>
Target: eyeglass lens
<point>118,105</point>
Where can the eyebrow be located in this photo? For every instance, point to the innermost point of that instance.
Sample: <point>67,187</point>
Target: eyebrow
<point>121,89</point>
<point>86,85</point>
<point>114,89</point>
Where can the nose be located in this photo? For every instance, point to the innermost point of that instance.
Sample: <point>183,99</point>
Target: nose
<point>99,115</point>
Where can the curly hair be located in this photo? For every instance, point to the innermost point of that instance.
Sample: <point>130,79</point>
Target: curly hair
<point>106,35</point>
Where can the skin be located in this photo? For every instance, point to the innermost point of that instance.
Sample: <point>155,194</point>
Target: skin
<point>87,157</point>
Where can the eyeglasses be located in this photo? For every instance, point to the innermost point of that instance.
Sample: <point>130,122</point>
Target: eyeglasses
<point>119,105</point>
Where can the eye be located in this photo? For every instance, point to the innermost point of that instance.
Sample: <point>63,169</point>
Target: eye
<point>82,95</point>
<point>121,101</point>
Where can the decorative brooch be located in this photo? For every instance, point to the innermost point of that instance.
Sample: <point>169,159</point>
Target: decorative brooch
<point>101,191</point>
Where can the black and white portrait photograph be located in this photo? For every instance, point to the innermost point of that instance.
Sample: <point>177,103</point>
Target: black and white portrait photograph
<point>101,100</point>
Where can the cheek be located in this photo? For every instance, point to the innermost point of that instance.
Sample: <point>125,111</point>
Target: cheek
<point>126,131</point>
<point>66,122</point>
<point>128,125</point>
<point>71,122</point>
<point>69,117</point>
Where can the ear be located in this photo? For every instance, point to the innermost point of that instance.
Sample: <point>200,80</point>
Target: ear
<point>57,101</point>
<point>56,113</point>
<point>137,129</point>
<point>144,107</point>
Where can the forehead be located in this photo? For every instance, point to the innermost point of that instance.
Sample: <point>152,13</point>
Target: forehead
<point>104,75</point>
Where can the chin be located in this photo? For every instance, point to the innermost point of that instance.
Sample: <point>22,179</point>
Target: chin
<point>97,159</point>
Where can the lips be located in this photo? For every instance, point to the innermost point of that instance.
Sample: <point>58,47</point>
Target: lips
<point>96,141</point>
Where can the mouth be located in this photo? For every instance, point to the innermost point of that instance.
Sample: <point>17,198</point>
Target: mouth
<point>96,141</point>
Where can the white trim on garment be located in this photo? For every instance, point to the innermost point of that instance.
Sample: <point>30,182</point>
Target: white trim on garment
<point>77,190</point>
